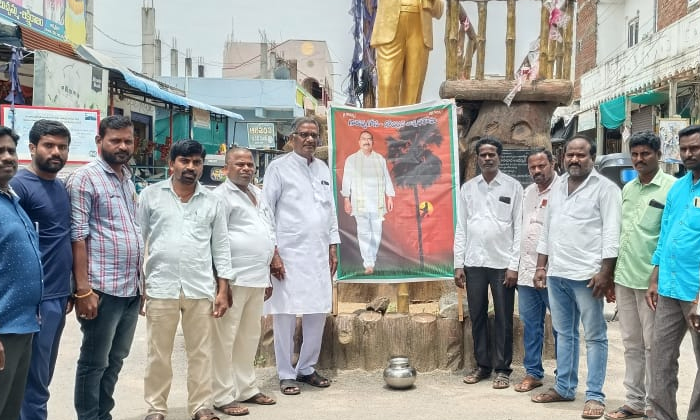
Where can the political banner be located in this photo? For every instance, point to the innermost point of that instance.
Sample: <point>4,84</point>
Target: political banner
<point>396,183</point>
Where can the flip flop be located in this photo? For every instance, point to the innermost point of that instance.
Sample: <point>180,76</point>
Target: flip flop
<point>289,387</point>
<point>260,399</point>
<point>622,413</point>
<point>527,384</point>
<point>232,409</point>
<point>549,397</point>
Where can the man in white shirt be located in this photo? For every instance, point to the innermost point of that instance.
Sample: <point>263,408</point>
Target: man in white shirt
<point>184,227</point>
<point>368,195</point>
<point>579,241</point>
<point>533,303</point>
<point>298,190</point>
<point>486,252</point>
<point>236,335</point>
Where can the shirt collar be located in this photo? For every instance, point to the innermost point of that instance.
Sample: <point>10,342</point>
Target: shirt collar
<point>301,159</point>
<point>126,172</point>
<point>169,186</point>
<point>498,179</point>
<point>656,180</point>
<point>555,178</point>
<point>233,187</point>
<point>10,193</point>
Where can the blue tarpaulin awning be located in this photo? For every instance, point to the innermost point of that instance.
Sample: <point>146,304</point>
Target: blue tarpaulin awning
<point>612,113</point>
<point>147,86</point>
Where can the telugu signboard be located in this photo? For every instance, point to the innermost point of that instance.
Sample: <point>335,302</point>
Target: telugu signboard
<point>60,19</point>
<point>261,135</point>
<point>82,124</point>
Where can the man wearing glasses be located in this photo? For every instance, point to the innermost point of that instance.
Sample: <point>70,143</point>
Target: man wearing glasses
<point>298,190</point>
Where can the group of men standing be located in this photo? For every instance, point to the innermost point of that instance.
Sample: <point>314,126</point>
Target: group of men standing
<point>200,270</point>
<point>565,243</point>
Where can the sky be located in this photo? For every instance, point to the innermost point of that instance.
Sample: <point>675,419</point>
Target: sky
<point>205,26</point>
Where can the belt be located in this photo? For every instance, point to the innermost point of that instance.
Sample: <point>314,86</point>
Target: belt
<point>410,9</point>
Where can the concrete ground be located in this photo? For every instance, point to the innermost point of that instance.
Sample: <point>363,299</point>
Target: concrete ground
<point>358,394</point>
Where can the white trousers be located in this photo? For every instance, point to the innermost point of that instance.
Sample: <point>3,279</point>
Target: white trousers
<point>312,333</point>
<point>235,341</point>
<point>369,235</point>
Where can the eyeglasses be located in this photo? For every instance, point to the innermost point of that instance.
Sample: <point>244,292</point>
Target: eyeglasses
<point>307,134</point>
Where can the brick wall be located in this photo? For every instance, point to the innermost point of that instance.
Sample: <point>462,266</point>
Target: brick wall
<point>669,11</point>
<point>586,40</point>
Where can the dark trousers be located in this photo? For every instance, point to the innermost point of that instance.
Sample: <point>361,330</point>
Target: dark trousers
<point>106,343</point>
<point>44,354</point>
<point>13,379</point>
<point>670,327</point>
<point>479,279</point>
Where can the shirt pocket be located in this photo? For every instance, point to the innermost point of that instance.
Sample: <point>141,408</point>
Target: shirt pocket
<point>651,220</point>
<point>197,225</point>
<point>584,209</point>
<point>503,211</point>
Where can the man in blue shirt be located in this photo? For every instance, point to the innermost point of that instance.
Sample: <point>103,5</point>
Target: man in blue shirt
<point>675,282</point>
<point>45,199</point>
<point>20,284</point>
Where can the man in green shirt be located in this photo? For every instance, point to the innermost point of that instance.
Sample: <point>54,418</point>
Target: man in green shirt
<point>643,201</point>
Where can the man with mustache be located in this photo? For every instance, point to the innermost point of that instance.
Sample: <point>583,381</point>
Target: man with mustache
<point>643,201</point>
<point>107,255</point>
<point>45,199</point>
<point>184,227</point>
<point>237,334</point>
<point>20,284</point>
<point>298,190</point>
<point>486,256</point>
<point>368,195</point>
<point>533,303</point>
<point>576,258</point>
<point>674,286</point>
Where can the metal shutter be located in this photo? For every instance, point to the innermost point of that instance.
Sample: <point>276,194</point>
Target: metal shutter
<point>643,119</point>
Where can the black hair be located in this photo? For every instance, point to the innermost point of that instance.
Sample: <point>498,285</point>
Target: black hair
<point>689,131</point>
<point>114,122</point>
<point>646,138</point>
<point>578,136</point>
<point>368,132</point>
<point>492,141</point>
<point>537,151</point>
<point>235,149</point>
<point>43,128</point>
<point>187,148</point>
<point>7,131</point>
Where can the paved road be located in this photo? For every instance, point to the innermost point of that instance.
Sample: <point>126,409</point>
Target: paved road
<point>356,394</point>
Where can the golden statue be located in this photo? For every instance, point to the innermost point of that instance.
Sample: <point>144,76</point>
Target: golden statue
<point>402,48</point>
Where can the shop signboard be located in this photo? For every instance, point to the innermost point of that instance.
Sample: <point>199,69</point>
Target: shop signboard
<point>82,124</point>
<point>60,19</point>
<point>261,135</point>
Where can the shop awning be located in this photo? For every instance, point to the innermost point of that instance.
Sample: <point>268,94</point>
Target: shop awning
<point>612,113</point>
<point>148,86</point>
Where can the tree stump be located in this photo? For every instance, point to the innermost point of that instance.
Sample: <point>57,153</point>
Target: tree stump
<point>423,337</point>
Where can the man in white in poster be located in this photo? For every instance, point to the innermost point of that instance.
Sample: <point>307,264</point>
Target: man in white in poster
<point>369,195</point>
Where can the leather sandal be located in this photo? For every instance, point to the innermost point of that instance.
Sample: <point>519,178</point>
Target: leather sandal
<point>527,384</point>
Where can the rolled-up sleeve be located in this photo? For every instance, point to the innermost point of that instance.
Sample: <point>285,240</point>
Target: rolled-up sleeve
<point>611,214</point>
<point>460,244</point>
<point>81,191</point>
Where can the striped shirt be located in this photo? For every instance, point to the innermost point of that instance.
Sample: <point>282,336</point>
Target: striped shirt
<point>103,214</point>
